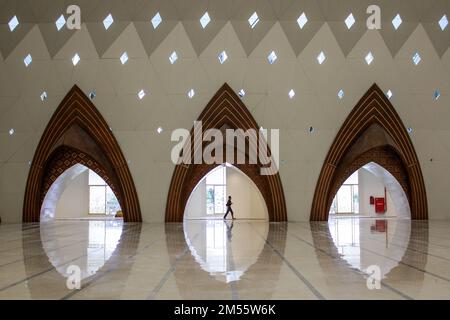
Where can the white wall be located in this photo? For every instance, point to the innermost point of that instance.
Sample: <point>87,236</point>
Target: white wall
<point>370,185</point>
<point>248,202</point>
<point>74,202</point>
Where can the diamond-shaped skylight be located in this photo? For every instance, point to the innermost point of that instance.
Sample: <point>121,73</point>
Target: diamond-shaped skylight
<point>416,58</point>
<point>60,23</point>
<point>13,23</point>
<point>437,94</point>
<point>272,57</point>
<point>159,130</point>
<point>341,94</point>
<point>124,58</point>
<point>241,93</point>
<point>223,57</point>
<point>156,20</point>
<point>253,20</point>
<point>141,94</point>
<point>302,20</point>
<point>44,96</point>
<point>291,93</point>
<point>108,21</point>
<point>11,132</point>
<point>397,21</point>
<point>75,59</point>
<point>369,58</point>
<point>204,20</point>
<point>173,57</point>
<point>321,57</point>
<point>389,94</point>
<point>350,21</point>
<point>28,59</point>
<point>191,93</point>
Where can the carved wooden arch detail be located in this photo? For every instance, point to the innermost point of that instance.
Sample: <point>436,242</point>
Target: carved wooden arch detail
<point>225,110</point>
<point>77,124</point>
<point>372,123</point>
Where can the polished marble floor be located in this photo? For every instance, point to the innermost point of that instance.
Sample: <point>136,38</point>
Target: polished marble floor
<point>214,259</point>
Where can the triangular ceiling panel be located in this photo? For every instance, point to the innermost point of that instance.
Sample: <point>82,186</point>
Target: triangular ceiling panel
<point>9,40</point>
<point>200,38</point>
<point>242,11</point>
<point>430,21</point>
<point>53,38</point>
<point>299,38</point>
<point>102,38</point>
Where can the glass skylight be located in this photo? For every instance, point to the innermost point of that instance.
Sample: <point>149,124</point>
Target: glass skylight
<point>311,130</point>
<point>253,20</point>
<point>60,23</point>
<point>272,57</point>
<point>44,96</point>
<point>75,59</point>
<point>291,93</point>
<point>13,23</point>
<point>443,23</point>
<point>341,94</point>
<point>241,93</point>
<point>28,59</point>
<point>397,21</point>
<point>204,20</point>
<point>302,20</point>
<point>124,58</point>
<point>191,93</point>
<point>369,58</point>
<point>410,130</point>
<point>141,94</point>
<point>416,58</point>
<point>156,20</point>
<point>223,57</point>
<point>11,132</point>
<point>321,57</point>
<point>389,94</point>
<point>159,130</point>
<point>92,95</point>
<point>173,57</point>
<point>108,21</point>
<point>350,21</point>
<point>437,94</point>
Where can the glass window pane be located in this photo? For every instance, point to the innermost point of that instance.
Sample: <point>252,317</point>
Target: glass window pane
<point>95,179</point>
<point>219,199</point>
<point>112,204</point>
<point>355,199</point>
<point>97,200</point>
<point>209,199</point>
<point>344,196</point>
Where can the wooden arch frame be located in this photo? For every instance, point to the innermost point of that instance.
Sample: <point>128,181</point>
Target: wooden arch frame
<point>225,109</point>
<point>78,125</point>
<point>372,123</point>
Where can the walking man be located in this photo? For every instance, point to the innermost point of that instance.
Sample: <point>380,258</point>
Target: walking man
<point>229,210</point>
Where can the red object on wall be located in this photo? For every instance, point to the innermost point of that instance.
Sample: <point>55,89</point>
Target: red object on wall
<point>380,205</point>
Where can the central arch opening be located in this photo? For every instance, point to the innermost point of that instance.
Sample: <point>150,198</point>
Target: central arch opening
<point>209,197</point>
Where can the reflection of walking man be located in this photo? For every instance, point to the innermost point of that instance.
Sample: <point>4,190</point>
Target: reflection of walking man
<point>229,228</point>
<point>229,210</point>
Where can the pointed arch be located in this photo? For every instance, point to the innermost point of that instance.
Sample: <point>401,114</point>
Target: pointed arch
<point>77,133</point>
<point>372,130</point>
<point>225,110</point>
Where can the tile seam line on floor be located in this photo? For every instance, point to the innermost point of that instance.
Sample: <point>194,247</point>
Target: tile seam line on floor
<point>290,266</point>
<point>357,271</point>
<point>44,271</point>
<point>172,269</point>
<point>400,262</point>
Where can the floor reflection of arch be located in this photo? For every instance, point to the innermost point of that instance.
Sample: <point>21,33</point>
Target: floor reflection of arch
<point>190,278</point>
<point>78,133</point>
<point>47,281</point>
<point>225,111</point>
<point>414,255</point>
<point>372,129</point>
